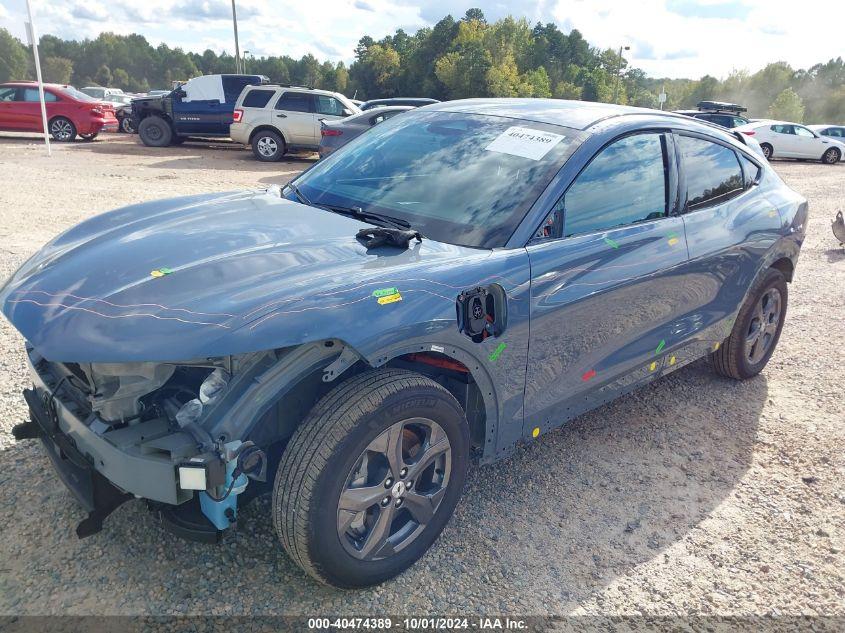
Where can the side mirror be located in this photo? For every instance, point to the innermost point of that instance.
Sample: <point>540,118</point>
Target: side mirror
<point>347,112</point>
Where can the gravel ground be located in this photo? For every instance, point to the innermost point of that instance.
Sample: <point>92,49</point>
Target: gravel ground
<point>695,495</point>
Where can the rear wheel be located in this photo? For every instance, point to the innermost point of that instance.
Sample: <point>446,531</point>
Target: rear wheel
<point>756,331</point>
<point>62,130</point>
<point>831,156</point>
<point>126,125</point>
<point>768,150</point>
<point>268,146</point>
<point>155,132</point>
<point>371,477</point>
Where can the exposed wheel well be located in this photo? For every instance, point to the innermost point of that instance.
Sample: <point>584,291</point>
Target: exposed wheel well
<point>784,265</point>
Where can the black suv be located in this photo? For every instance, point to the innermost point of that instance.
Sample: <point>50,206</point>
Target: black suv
<point>724,114</point>
<point>202,106</point>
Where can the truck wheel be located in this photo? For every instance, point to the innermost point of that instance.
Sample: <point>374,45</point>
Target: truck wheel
<point>62,130</point>
<point>268,146</point>
<point>371,476</point>
<point>155,132</point>
<point>756,331</point>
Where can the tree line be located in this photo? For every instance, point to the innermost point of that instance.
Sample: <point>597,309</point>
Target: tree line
<point>454,59</point>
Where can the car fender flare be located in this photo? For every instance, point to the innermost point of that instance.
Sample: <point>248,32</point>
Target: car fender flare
<point>476,368</point>
<point>784,249</point>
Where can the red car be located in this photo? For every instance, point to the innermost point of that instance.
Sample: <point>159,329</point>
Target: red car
<point>69,111</point>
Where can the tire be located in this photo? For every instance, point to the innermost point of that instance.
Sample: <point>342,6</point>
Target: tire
<point>62,130</point>
<point>831,156</point>
<point>126,125</point>
<point>324,457</point>
<point>89,137</point>
<point>155,132</point>
<point>268,146</point>
<point>178,140</point>
<point>768,150</point>
<point>735,358</point>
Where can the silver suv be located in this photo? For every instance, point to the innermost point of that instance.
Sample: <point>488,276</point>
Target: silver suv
<point>275,119</point>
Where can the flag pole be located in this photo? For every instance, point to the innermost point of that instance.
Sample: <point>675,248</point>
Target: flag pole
<point>34,41</point>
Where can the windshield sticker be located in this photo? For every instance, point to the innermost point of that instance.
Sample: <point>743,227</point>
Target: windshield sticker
<point>525,142</point>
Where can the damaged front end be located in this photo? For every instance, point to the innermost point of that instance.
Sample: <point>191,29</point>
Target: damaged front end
<point>115,431</point>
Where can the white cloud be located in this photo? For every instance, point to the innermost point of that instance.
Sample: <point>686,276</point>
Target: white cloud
<point>4,13</point>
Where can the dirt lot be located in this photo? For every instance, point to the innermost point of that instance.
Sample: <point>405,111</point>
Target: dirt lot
<point>696,495</point>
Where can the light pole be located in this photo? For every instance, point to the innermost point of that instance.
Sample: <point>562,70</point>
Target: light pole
<point>246,56</point>
<point>618,72</point>
<point>237,47</point>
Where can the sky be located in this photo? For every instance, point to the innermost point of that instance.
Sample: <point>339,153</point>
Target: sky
<point>667,38</point>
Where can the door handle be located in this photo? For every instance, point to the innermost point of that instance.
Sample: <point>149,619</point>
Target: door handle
<point>282,116</point>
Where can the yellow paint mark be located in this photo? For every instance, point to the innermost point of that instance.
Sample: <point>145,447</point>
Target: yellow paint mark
<point>536,431</point>
<point>389,299</point>
<point>673,241</point>
<point>773,214</point>
<point>716,347</point>
<point>156,273</point>
<point>672,360</point>
<point>653,366</point>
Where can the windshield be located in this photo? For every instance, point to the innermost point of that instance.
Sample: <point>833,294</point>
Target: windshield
<point>459,178</point>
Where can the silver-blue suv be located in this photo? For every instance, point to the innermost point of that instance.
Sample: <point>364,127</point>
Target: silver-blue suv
<point>471,274</point>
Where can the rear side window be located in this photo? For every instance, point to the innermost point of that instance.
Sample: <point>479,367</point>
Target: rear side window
<point>712,172</point>
<point>782,129</point>
<point>294,102</point>
<point>234,86</point>
<point>31,95</point>
<point>625,183</point>
<point>257,98</point>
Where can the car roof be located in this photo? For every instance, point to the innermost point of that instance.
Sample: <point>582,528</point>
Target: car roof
<point>579,115</point>
<point>29,84</point>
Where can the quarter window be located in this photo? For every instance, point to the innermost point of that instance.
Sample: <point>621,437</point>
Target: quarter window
<point>751,172</point>
<point>294,102</point>
<point>625,183</point>
<point>257,98</point>
<point>712,172</point>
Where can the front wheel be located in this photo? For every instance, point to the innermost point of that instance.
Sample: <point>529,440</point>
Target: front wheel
<point>831,156</point>
<point>768,150</point>
<point>126,125</point>
<point>371,477</point>
<point>756,331</point>
<point>155,132</point>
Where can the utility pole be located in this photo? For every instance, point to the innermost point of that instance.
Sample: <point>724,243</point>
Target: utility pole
<point>30,29</point>
<point>618,72</point>
<point>237,46</point>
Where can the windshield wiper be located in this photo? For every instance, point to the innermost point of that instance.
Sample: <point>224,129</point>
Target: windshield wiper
<point>299,194</point>
<point>358,212</point>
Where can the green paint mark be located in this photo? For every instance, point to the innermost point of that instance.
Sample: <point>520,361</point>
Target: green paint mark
<point>611,242</point>
<point>672,236</point>
<point>385,292</point>
<point>165,271</point>
<point>660,347</point>
<point>498,351</point>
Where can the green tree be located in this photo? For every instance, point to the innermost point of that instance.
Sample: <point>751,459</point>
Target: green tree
<point>57,70</point>
<point>120,78</point>
<point>14,61</point>
<point>787,106</point>
<point>103,76</point>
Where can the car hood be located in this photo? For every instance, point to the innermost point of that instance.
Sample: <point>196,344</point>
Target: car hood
<point>208,275</point>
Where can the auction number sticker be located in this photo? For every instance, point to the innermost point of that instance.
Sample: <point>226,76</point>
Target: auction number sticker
<point>525,142</point>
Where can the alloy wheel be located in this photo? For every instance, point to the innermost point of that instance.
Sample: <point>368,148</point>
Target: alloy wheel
<point>764,326</point>
<point>267,146</point>
<point>394,489</point>
<point>831,156</point>
<point>61,129</point>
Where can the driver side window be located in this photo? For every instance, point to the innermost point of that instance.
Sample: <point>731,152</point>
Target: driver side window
<point>802,131</point>
<point>626,182</point>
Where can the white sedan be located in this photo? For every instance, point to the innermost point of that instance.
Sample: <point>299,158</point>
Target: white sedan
<point>781,139</point>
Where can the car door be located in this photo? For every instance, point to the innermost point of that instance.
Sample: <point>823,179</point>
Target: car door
<point>783,140</point>
<point>327,108</point>
<point>607,297</point>
<point>294,115</point>
<point>9,116</point>
<point>29,109</point>
<point>807,144</point>
<point>729,228</point>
